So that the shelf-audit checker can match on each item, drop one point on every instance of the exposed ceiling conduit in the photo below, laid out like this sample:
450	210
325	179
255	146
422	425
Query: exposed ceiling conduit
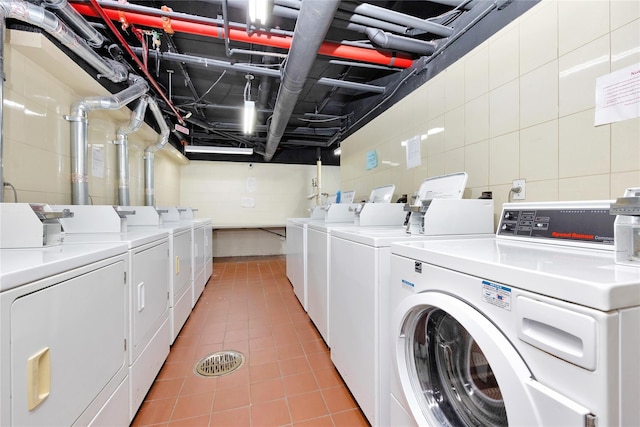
122	142
398	18
149	164
41	18
80	137
311	27
252	69
333	49
101	13
460	4
71	17
392	41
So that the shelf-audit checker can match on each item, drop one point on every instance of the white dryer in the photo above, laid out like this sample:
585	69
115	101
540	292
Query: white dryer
537	326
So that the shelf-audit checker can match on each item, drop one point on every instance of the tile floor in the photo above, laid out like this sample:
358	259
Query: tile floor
287	378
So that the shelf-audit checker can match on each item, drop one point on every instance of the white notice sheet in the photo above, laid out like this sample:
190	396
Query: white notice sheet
618	96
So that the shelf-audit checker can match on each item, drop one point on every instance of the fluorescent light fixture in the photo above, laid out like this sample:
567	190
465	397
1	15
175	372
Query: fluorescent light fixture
337	151
259	11
208	149
249	119
434	131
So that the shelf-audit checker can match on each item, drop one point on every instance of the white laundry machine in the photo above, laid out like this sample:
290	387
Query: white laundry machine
296	244
180	258
147	284
296	253
202	259
537	326
359	293
63	312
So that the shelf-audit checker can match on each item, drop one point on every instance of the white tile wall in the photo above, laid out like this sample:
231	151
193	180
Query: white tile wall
41	84
523	102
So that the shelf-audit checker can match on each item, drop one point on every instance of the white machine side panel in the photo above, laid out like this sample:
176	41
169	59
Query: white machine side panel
149	290
82	323
318	281
208	252
353	307
198	250
296	254
181	264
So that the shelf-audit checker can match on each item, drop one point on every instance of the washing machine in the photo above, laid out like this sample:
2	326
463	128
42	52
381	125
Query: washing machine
296	253
359	293
377	212
537	326
63	312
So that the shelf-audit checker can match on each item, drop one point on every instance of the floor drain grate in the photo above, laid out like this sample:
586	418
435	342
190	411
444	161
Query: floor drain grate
219	364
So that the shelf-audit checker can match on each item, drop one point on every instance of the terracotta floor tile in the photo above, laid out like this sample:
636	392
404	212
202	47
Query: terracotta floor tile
294	366
192	405
231	398
307	406
194	384
266	391
200	421
351	418
338	399
316	422
328	377
270	414
239	417
263	372
163	389
287	378
299	384
154	412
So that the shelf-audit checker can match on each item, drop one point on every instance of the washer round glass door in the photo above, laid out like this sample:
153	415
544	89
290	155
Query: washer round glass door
450	372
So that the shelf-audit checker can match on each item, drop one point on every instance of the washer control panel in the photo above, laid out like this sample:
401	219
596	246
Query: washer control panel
567	222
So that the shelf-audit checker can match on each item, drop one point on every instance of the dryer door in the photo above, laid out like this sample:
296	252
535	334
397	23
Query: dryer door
458	369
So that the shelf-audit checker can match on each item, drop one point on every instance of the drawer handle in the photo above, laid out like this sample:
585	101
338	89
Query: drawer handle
38	378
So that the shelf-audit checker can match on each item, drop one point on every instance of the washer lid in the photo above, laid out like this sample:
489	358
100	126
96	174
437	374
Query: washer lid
443	187
587	277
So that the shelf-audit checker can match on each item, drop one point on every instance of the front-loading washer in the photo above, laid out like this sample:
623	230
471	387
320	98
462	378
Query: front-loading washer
537	326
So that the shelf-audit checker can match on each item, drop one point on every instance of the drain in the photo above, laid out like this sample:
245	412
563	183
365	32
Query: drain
219	364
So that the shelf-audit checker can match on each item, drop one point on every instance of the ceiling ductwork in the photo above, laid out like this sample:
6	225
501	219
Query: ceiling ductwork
311	27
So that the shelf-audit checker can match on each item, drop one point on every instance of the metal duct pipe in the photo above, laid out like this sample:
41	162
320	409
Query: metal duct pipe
38	16
149	166
79	132
311	27
73	18
122	142
398	18
153	18
251	69
392	41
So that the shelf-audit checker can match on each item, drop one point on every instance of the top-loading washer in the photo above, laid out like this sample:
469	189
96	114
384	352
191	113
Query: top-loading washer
377	212
296	244
63	311
537	326
147	283
359	293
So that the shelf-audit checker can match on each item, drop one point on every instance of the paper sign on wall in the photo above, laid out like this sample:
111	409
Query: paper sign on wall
372	159
252	184
248	202
618	96
414	157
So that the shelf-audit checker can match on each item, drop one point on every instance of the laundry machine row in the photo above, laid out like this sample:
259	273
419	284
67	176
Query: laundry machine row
536	326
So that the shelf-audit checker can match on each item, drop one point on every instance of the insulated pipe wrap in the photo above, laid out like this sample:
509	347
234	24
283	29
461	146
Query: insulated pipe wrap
311	27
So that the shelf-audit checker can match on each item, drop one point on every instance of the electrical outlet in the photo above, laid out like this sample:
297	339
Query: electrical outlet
519	183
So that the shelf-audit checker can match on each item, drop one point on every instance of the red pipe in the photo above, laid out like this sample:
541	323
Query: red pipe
264	39
124	43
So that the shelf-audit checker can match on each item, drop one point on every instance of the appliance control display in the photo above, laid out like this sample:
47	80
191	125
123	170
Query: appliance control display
580	225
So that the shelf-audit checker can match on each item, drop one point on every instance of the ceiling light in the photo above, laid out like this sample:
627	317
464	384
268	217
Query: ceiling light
249	119
337	151
259	11
208	149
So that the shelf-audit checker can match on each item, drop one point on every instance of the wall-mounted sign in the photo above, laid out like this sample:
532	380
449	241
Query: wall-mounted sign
414	158
372	159
618	95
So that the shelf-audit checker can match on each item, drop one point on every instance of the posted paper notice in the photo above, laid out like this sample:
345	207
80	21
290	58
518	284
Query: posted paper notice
618	96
